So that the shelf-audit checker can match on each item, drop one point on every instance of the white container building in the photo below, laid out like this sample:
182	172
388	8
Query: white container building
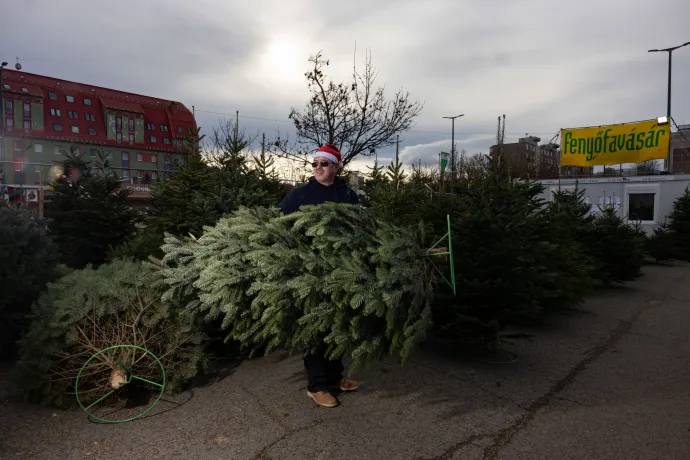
645	199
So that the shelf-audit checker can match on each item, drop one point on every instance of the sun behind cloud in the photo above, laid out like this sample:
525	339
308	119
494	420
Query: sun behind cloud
283	61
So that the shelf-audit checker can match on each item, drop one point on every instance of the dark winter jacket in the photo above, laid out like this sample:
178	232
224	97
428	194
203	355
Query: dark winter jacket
315	193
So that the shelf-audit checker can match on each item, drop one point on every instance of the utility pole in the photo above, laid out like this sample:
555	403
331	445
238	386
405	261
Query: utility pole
237	124
452	151
669	165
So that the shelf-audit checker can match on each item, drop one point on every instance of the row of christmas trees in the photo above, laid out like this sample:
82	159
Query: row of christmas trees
355	277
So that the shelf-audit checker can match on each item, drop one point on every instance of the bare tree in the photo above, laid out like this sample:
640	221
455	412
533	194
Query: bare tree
648	168
354	115
228	147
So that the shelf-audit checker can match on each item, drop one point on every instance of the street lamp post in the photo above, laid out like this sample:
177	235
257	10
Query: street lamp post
452	151
2	124
670	51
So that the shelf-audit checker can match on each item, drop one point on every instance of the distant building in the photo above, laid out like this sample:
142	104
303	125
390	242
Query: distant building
680	146
529	160
43	117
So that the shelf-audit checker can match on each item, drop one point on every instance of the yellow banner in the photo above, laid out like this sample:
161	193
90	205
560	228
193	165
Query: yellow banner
614	144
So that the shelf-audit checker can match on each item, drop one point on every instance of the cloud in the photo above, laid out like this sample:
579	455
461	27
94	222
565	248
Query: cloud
583	63
428	153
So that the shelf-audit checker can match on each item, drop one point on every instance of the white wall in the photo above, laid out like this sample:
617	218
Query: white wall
627	194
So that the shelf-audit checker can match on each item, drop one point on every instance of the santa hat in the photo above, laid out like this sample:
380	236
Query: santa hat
331	152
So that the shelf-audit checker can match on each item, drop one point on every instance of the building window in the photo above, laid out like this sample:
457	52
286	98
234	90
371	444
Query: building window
118	137
9	124
87	101
38	148
166	140
131	139
109	154
93	152
154	158
125	167
189	130
58	150
73	115
151	126
70	99
179	129
8	107
55	112
75	129
27	110
90	117
18	149
130	124
164	129
118	123
641	206
57	127
153	139
92	131
52	96
140	157
27	126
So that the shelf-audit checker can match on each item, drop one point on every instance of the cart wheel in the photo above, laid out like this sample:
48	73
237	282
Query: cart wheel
123	381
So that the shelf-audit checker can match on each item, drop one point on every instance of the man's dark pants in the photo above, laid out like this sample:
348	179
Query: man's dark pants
322	373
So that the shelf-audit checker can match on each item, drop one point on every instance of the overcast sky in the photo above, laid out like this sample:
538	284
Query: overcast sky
584	63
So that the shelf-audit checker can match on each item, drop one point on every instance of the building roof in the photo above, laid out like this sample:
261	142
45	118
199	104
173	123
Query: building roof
67	96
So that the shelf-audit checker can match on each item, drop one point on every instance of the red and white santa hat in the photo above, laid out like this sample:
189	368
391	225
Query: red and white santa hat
331	152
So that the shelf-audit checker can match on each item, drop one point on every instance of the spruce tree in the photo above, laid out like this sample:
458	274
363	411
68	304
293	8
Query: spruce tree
679	225
509	266
28	261
392	198
202	189
328	273
616	246
661	244
88	214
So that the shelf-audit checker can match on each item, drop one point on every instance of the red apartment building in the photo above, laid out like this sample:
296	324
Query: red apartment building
44	117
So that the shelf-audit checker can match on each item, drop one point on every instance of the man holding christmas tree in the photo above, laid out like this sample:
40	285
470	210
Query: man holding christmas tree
324	186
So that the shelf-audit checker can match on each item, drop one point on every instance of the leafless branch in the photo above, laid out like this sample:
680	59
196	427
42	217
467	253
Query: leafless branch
355	116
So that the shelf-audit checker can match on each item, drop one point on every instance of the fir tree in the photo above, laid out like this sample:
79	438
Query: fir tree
328	273
28	261
89	211
616	246
508	266
202	190
91	309
661	244
392	198
679	225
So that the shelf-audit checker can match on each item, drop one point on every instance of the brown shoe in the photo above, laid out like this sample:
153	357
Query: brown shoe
323	398
347	384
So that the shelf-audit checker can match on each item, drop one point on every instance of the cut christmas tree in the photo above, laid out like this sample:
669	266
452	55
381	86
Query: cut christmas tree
330	273
679	226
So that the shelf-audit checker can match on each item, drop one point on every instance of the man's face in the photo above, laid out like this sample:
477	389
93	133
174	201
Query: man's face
325	170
